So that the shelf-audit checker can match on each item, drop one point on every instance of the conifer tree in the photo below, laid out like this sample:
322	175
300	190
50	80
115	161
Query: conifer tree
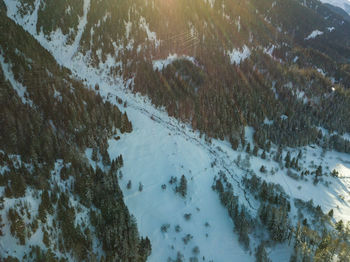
255	151
182	188
287	160
248	148
128	186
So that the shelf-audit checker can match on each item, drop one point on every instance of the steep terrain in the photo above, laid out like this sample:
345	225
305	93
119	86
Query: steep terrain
343	4
54	204
236	144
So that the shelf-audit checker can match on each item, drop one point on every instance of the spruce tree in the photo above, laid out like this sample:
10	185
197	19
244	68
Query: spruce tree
287	160
182	189
128	186
248	148
255	151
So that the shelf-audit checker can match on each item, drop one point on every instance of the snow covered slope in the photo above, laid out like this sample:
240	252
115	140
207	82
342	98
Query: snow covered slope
344	4
160	148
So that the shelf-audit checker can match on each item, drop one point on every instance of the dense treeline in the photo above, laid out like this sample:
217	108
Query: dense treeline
217	97
51	125
221	102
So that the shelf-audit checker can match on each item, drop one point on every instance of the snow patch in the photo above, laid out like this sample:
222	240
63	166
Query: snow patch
210	2
237	56
152	36
161	64
314	34
269	50
128	26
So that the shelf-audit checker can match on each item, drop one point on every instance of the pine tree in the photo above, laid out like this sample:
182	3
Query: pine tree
18	185
287	160
94	155
292	164
339	225
46	238
300	155
234	143
278	155
182	189
330	213
268	146
255	151
335	173
319	171
128	186
248	148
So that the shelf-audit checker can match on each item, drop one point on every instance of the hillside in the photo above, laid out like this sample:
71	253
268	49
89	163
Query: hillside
55	205
224	124
343	4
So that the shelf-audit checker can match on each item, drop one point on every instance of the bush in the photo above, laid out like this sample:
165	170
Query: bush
187	216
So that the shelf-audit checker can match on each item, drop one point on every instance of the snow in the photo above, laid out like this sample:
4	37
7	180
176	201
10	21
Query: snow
284	117
314	34
269	51
346	136
57	45
321	71
238	23
152	162
237	55
160	147
268	121
29	21
211	2
128	26
163	63
152	36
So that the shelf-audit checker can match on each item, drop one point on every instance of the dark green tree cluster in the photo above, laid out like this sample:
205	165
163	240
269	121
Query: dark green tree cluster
239	215
182	188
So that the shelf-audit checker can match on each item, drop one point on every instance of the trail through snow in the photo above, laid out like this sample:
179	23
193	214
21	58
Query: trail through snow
161	147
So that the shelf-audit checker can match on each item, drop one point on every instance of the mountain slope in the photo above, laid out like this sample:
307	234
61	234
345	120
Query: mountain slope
249	85
54	204
344	4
